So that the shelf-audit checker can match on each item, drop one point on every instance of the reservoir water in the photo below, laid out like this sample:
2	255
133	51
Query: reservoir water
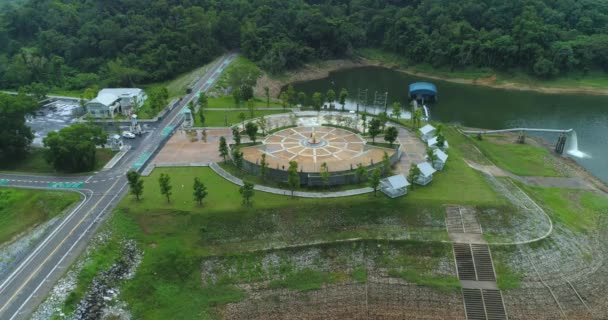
488	108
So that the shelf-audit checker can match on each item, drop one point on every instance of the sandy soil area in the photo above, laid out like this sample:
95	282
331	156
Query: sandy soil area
322	70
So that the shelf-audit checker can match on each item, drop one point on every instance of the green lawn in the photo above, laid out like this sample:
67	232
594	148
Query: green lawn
34	162
228	102
177	86
22	209
239	62
217	118
576	209
520	159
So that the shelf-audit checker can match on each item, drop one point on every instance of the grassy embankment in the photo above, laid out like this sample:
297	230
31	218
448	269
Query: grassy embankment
592	81
22	209
34	162
520	159
177	236
576	210
216	118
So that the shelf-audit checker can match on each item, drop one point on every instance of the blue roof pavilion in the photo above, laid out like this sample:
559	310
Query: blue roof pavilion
424	90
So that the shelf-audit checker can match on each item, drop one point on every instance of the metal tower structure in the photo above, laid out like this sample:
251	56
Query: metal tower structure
380	100
362	99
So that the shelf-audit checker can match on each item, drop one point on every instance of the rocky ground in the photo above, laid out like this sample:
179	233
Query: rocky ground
22	245
102	298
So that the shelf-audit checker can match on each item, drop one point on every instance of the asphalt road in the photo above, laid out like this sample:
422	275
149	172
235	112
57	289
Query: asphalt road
31	277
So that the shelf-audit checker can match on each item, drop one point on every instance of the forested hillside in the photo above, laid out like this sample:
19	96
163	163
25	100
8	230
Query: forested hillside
77	43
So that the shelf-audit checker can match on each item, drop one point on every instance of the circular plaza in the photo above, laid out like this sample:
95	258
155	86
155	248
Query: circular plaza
311	146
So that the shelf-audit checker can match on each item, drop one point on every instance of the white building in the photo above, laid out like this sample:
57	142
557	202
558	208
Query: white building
394	186
113	101
426	173
427	132
442	157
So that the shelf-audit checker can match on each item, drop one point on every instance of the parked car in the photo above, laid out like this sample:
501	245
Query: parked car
128	135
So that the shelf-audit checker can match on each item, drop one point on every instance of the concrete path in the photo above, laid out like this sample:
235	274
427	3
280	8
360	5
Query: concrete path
347	193
244	109
553	182
412	148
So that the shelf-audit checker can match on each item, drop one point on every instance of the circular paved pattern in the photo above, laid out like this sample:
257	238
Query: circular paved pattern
339	148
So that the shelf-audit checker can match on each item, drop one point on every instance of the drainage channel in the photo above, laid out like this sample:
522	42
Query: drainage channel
474	266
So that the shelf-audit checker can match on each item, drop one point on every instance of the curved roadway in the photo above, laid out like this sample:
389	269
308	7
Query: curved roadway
29	280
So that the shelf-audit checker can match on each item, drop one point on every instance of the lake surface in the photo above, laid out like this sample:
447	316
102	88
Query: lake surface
482	107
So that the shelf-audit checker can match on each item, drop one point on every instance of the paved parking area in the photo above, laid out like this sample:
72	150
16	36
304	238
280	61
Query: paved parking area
52	117
193	146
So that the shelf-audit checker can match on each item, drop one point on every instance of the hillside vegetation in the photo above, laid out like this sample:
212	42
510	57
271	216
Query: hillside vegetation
76	44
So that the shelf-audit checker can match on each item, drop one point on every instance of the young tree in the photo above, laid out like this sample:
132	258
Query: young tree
201	117
364	122
396	110
191	107
236	95
330	97
199	191
292	95
251	108
440	140
284	99
390	135
267	93
360	172
383	118
374	128
203	101
386	164
164	181
246	192
325	174
246	93
262	124
236	135
293	178
242	118
136	184
302	98
252	130
374	180
223	148
263	166
317	101
343	97
237	158
416	118
413	174
431	156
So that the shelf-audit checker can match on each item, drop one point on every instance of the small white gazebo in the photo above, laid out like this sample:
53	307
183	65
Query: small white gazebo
426	173
442	157
432	143
427	132
394	186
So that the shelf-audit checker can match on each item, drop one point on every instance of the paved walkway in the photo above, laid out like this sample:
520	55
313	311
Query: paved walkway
244	109
413	150
347	193
554	182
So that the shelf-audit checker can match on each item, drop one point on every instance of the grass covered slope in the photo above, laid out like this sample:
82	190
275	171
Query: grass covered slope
23	209
520	159
34	162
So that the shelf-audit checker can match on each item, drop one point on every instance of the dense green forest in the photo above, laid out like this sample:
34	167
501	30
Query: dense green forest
74	44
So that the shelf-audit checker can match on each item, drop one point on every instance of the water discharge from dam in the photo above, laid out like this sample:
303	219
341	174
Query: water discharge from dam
572	146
